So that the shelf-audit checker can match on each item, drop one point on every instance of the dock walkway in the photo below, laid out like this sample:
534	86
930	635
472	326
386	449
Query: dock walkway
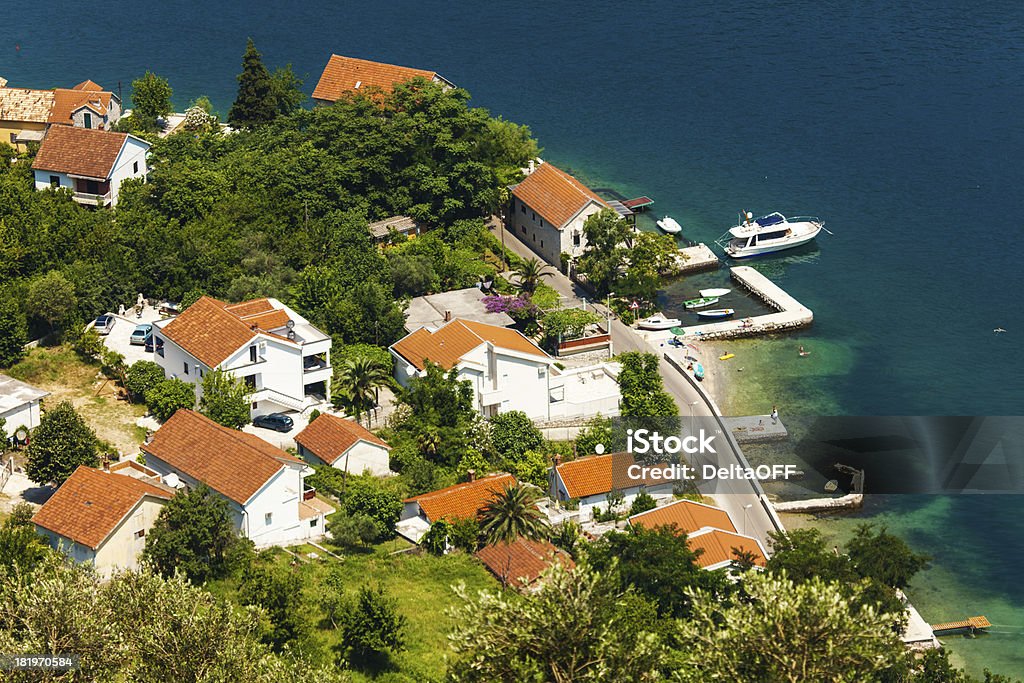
695	259
971	624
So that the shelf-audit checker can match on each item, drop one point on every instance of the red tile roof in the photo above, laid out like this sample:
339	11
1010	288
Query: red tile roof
462	500
446	345
23	105
348	74
716	546
231	462
329	436
88	85
554	194
212	330
686	515
599	474
67	101
520	563
88	506
79	151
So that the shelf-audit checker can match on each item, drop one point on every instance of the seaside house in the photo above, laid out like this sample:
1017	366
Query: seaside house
718	549
19	404
102	517
461	501
26	113
547	211
90	163
264	486
343	444
86	105
589	481
283	359
348	75
380	231
508	372
519	564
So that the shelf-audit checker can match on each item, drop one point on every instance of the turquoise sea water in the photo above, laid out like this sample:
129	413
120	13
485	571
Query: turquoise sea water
898	123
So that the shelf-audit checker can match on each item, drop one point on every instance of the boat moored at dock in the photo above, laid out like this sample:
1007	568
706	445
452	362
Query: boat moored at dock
669	225
722	291
658	322
717	313
700	303
768	234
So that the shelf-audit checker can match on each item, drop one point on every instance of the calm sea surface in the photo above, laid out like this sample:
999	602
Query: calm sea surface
898	123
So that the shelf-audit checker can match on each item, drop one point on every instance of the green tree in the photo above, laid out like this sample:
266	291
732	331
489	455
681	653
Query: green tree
785	632
280	594
412	275
604	257
531	467
352	531
142	376
513	513
530	273
566	323
225	399
571	629
51	299
880	555
168	396
194	534
378	499
256	102
13	332
643	394
60	443
286	89
642	503
441	415
598	430
372	628
513	433
21	548
377	354
357	383
151	97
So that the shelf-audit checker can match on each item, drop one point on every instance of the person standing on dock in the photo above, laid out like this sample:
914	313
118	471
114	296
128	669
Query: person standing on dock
775	415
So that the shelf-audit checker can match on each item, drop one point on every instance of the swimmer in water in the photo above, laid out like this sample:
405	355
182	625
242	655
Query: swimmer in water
804	353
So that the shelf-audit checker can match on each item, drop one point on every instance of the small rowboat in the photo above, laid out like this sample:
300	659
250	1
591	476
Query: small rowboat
678	331
714	292
716	313
727	356
701	302
669	225
698	371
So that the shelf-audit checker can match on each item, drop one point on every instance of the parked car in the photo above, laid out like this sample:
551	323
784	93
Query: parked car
158	346
279	422
104	324
140	334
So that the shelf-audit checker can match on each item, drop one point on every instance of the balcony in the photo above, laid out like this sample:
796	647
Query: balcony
308	493
89	199
314	363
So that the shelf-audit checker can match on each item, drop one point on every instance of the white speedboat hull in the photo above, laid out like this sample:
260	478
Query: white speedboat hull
714	293
669	225
717	313
658	323
740	242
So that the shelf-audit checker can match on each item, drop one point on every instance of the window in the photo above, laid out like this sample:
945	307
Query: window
252	354
523	228
88	120
255	405
140	533
268	518
533	215
523	207
576	239
185	366
542	244
135	167
14	138
250	381
312	522
54	181
159	346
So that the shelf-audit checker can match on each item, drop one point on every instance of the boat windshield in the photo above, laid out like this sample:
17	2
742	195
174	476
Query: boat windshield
770	219
774	235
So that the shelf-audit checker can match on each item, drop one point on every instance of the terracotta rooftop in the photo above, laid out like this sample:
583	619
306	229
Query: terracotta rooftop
212	330
554	194
520	563
599	474
68	100
25	105
449	343
229	461
348	74
88	85
329	436
80	151
462	500
717	546
686	515
91	503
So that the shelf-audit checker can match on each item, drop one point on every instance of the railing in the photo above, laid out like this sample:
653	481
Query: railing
308	493
319	365
87	198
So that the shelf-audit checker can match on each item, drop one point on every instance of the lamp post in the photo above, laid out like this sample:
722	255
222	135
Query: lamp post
745	508
692	404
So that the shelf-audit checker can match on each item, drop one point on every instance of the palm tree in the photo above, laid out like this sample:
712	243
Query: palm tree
511	514
356	383
530	273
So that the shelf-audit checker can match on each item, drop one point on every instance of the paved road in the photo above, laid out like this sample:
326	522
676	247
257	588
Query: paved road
740	498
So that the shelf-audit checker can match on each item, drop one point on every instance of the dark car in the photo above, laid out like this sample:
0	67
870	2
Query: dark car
279	422
154	343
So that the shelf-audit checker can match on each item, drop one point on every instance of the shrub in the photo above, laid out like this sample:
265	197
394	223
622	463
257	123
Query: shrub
642	503
166	397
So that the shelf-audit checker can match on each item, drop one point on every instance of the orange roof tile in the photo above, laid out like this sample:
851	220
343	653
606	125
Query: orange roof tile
88	85
520	563
91	503
251	307
686	515
716	546
449	343
348	74
554	194
599	474
462	500
67	101
231	462
79	151
329	436
23	105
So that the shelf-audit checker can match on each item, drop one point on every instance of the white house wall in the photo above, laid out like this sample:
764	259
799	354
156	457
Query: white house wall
131	163
548	240
26	415
43	180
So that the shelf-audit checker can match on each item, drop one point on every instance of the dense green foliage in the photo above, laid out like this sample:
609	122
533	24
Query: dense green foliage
225	399
151	99
195	535
644	398
142	376
371	628
60	443
21	548
256	103
280	594
168	396
13	332
512	514
513	433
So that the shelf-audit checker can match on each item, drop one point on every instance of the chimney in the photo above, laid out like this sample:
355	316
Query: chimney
447	316
149	437
532	166
471	474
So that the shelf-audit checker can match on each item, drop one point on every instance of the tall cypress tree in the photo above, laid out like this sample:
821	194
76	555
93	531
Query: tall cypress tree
256	103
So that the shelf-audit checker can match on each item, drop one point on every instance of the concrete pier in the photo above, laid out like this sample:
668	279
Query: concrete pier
695	259
790	314
755	428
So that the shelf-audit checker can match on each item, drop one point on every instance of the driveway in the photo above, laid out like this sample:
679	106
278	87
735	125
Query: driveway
118	339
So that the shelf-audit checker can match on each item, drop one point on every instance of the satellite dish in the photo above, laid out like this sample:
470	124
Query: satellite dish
173	481
290	324
21	434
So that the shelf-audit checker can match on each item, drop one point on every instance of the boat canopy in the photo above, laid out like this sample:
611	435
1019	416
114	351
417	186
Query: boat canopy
770	219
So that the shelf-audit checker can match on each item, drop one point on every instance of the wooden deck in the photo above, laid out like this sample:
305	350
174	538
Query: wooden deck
969	624
638	204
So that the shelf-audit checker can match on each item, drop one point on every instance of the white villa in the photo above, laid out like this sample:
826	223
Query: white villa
263	484
589	481
19	404
547	211
345	445
508	371
92	163
285	361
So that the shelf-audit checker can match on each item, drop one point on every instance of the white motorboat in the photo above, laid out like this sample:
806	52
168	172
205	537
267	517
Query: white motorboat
669	225
714	292
768	234
658	322
716	313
